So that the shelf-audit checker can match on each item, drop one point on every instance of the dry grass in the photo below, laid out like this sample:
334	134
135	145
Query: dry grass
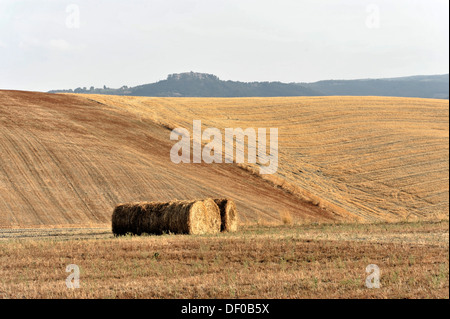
309	261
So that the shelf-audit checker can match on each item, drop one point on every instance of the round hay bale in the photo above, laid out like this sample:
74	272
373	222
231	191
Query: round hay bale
228	214
194	217
125	219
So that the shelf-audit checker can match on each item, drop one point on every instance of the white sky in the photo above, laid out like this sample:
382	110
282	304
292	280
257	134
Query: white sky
44	46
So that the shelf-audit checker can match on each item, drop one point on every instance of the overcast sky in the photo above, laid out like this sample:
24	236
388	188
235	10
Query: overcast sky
66	44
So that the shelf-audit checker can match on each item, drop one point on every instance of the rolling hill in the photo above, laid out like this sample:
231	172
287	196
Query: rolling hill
68	159
378	158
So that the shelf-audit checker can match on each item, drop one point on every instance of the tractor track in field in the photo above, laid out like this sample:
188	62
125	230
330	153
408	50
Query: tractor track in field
55	233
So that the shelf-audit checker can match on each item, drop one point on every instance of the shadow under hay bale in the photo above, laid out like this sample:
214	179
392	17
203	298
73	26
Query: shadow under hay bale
194	217
228	214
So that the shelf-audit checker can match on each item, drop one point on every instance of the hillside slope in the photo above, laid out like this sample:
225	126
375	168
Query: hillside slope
380	158
68	160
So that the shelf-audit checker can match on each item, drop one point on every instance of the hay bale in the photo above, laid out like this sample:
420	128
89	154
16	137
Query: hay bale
228	214
194	217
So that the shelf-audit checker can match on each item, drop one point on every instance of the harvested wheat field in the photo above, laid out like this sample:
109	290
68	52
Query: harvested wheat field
364	158
308	261
360	181
69	160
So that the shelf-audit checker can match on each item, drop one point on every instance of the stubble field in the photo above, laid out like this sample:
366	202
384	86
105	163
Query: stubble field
365	158
291	261
361	181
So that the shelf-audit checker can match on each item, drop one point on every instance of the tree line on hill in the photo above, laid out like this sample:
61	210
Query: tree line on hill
191	84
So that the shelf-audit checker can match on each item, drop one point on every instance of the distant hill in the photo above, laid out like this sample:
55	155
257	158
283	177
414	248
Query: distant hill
192	84
431	86
208	85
